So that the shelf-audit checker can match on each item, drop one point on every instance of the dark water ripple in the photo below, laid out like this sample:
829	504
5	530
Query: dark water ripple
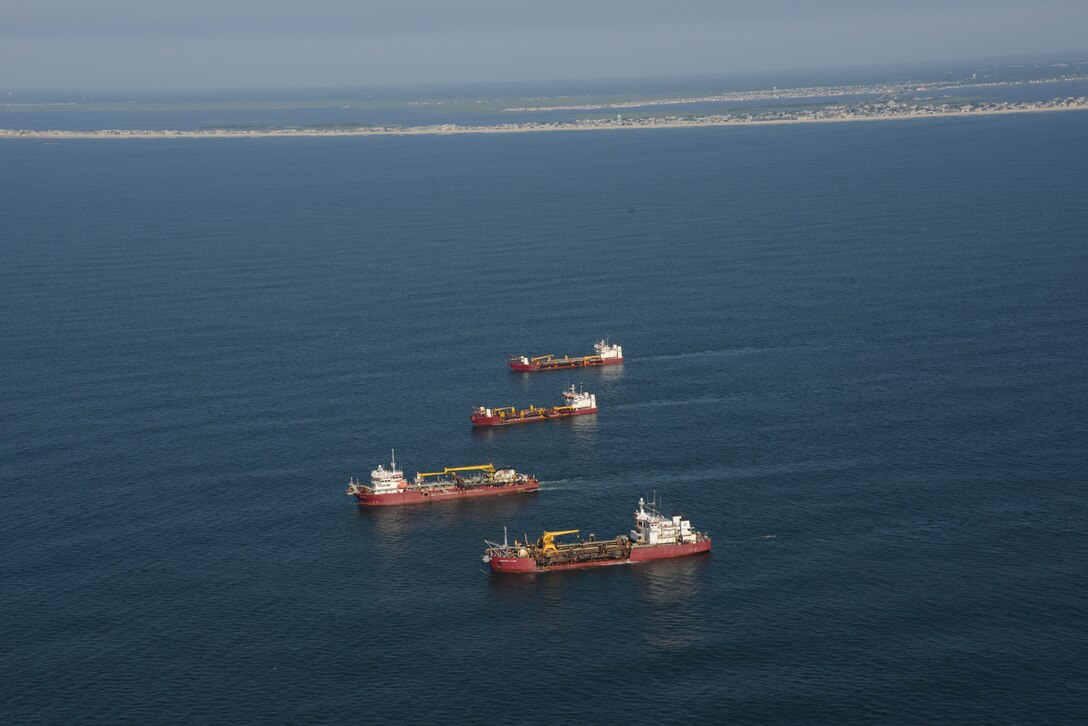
856	357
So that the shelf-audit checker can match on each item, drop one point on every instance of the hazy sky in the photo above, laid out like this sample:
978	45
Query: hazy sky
126	44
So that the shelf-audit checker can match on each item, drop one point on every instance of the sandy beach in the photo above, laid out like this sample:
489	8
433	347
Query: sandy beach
596	125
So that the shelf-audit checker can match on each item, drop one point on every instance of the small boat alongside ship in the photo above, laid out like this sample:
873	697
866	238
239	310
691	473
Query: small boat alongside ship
606	355
654	537
388	487
578	403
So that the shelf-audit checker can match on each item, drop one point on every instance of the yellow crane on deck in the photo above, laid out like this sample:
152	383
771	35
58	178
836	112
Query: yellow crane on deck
489	468
546	544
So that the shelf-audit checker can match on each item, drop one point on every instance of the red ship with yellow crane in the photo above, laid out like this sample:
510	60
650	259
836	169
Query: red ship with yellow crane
605	354
388	487
578	403
655	537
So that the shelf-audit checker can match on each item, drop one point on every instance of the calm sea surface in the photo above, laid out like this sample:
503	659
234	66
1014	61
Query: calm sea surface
856	356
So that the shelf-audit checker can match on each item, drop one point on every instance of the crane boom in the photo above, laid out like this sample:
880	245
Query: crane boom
546	543
489	468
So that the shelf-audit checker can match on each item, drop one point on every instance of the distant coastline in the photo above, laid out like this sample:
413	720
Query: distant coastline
882	111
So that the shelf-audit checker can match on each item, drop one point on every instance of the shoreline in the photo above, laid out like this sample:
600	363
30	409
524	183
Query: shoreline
529	127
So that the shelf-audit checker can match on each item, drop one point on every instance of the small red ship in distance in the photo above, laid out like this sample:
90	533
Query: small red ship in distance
655	537
606	355
388	487
578	403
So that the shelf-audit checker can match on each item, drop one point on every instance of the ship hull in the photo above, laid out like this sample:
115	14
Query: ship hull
639	553
644	553
520	367
496	421
419	496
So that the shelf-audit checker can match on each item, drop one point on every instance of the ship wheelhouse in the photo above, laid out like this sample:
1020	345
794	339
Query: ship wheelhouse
653	528
385	481
607	351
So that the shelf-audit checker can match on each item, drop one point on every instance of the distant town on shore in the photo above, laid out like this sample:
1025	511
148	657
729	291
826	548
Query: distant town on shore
966	96
870	111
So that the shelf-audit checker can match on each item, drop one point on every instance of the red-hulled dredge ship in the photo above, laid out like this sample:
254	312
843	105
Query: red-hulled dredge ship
654	537
388	487
606	355
578	404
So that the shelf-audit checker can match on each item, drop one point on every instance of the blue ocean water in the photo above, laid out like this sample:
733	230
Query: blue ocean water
855	356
